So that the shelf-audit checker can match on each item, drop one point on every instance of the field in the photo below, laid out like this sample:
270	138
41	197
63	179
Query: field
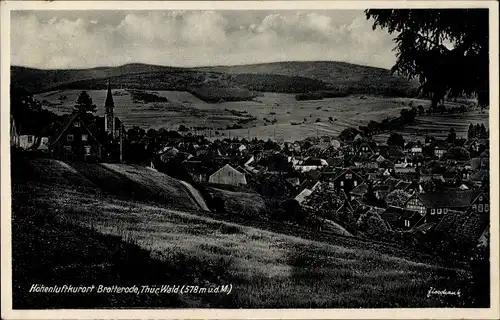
278	115
439	125
266	269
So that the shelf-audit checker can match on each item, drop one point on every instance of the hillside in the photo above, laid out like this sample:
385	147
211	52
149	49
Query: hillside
290	77
39	80
265	269
138	184
334	72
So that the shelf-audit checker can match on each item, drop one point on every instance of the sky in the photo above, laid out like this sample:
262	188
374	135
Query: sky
83	39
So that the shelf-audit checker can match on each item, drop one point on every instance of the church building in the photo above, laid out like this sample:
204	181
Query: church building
85	137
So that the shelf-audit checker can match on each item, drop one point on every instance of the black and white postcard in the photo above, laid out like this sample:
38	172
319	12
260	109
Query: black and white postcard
249	160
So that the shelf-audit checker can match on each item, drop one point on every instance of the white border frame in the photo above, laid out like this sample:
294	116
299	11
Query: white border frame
437	313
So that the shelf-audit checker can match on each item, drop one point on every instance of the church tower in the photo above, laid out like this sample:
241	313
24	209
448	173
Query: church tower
109	117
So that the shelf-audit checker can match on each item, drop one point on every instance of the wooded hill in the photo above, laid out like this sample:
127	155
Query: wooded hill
286	77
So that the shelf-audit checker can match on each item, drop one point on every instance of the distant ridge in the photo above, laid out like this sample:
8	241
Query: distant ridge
324	75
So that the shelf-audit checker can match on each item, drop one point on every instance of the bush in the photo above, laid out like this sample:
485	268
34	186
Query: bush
309	96
213	94
145	97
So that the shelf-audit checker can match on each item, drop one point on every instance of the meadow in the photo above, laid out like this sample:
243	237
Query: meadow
266	269
439	126
270	115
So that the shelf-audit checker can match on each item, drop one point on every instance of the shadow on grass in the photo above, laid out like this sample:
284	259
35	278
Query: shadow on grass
48	252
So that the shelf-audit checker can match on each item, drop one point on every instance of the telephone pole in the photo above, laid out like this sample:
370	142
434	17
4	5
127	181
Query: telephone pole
121	142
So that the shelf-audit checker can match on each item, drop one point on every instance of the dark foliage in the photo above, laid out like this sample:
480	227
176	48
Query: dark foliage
422	54
214	94
395	139
84	103
146	97
28	114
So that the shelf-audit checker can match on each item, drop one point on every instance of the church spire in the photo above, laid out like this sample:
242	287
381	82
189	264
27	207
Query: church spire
109	117
109	97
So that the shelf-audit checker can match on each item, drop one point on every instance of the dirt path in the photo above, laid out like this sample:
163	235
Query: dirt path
193	192
196	195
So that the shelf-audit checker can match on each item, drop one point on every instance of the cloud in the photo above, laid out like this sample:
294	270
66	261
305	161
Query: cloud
189	38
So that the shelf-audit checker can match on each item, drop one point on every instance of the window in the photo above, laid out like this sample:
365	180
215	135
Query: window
445	211
77	124
474	207
87	149
481	198
439	211
348	176
30	139
433	211
407	223
480	208
85	137
69	137
341	183
486	208
355	183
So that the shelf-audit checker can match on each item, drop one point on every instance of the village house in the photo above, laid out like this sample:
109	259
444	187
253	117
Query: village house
168	153
196	170
84	137
427	177
434	205
41	144
345	181
414	148
364	149
429	140
480	178
75	141
26	141
309	164
383	188
367	164
306	192
401	218
479	163
228	175
464	226
440	148
293	181
380	158
401	170
359	191
403	162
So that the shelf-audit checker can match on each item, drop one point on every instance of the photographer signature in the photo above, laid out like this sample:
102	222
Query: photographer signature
444	292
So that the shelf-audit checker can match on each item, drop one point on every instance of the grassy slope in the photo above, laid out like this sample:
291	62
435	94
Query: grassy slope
245	203
137	184
265	268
